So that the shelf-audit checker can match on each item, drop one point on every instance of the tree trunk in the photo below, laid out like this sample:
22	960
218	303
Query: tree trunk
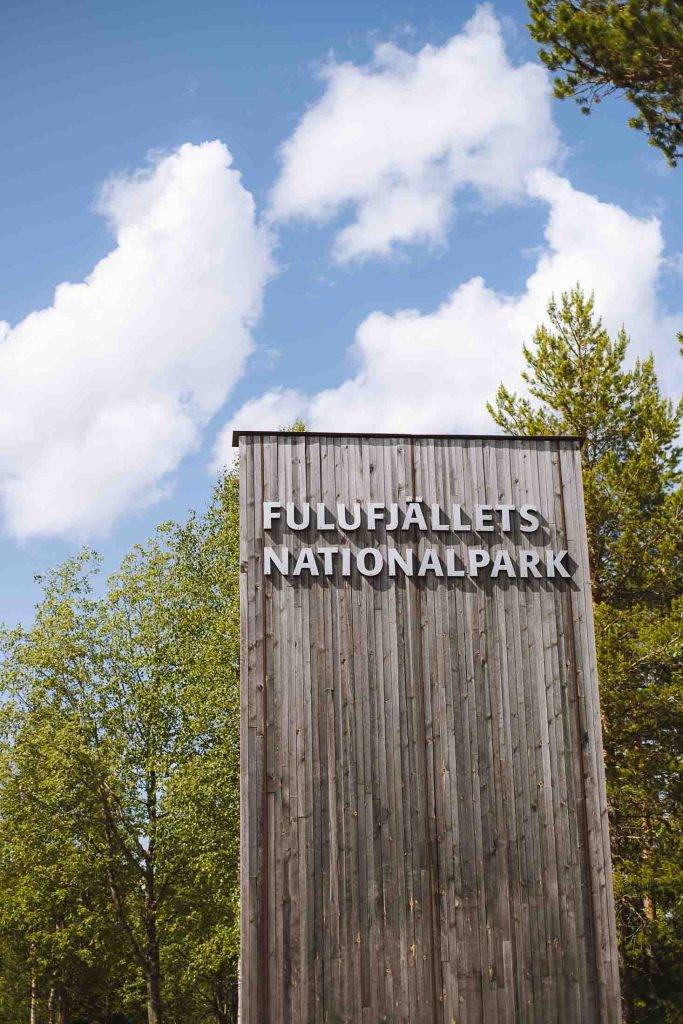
32	1008
649	909
152	965
154	998
63	1015
57	1005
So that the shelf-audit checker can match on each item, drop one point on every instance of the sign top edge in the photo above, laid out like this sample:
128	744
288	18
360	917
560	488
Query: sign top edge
237	434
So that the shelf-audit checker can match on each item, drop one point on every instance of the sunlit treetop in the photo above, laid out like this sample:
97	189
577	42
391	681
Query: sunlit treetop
630	47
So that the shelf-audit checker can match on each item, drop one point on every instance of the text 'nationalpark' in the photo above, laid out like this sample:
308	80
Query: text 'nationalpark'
324	559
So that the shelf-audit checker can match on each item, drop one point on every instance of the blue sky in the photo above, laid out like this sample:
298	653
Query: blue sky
425	168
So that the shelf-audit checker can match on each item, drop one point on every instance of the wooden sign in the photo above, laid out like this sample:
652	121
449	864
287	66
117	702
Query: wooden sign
424	821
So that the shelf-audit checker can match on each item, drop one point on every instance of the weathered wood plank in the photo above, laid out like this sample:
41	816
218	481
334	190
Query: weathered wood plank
424	825
473	939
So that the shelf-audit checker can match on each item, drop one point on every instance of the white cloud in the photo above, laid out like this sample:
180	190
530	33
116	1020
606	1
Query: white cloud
397	139
275	410
102	393
617	255
434	372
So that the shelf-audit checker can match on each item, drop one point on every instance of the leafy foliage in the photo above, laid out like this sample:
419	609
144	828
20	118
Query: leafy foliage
578	384
119	785
630	46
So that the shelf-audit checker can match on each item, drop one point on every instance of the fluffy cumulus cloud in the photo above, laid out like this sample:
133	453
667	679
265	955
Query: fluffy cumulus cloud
102	393
434	371
397	139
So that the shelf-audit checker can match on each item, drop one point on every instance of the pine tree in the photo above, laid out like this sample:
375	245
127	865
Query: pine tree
578	383
632	47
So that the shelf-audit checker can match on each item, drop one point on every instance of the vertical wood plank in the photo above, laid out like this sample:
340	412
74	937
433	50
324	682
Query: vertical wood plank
424	821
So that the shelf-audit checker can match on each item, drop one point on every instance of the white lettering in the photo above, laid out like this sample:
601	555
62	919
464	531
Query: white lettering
320	519
483	518
450	564
342	517
554	564
305	516
503	562
457	523
527	513
441	560
430	563
327	553
414	517
375	513
505	511
271	559
271	511
306	560
362	559
437	523
478	558
394	558
528	560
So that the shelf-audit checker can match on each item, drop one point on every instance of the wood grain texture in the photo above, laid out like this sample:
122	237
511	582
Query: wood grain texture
424	818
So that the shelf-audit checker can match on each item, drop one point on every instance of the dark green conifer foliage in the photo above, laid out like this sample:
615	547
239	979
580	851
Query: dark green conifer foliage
579	383
632	47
